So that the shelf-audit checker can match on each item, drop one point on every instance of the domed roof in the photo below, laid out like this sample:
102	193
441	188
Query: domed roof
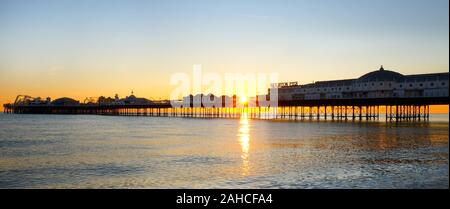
65	101
381	75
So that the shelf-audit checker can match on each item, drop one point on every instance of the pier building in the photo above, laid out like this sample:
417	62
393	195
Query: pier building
376	84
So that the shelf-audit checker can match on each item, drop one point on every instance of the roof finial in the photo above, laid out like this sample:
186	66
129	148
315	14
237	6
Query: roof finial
381	68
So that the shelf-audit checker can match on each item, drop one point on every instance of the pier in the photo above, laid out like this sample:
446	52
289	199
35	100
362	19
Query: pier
393	109
396	96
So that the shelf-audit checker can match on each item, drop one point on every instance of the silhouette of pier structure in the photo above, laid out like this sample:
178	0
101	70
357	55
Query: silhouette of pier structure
393	109
386	93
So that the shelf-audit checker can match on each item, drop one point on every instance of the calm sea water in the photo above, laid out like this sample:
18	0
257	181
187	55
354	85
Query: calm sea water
63	151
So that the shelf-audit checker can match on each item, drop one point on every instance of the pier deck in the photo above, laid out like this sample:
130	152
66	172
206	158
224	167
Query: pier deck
394	109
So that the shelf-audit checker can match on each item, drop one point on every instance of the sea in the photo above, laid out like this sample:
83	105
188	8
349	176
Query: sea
92	151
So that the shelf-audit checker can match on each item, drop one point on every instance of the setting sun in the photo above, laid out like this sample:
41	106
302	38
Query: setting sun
243	99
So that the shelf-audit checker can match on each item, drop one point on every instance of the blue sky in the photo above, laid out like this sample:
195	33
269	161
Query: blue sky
139	44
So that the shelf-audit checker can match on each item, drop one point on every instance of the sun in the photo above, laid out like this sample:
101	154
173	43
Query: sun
243	99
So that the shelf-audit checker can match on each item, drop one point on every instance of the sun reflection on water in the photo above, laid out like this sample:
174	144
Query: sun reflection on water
244	140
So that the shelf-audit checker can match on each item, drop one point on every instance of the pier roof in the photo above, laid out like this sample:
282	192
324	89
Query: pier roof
381	75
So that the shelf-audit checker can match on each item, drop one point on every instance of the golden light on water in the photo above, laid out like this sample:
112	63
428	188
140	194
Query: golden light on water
244	141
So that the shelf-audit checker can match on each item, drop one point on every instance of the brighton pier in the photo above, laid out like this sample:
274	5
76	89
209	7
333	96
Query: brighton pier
399	97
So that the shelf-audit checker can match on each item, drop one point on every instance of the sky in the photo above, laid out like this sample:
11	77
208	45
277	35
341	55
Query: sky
86	48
